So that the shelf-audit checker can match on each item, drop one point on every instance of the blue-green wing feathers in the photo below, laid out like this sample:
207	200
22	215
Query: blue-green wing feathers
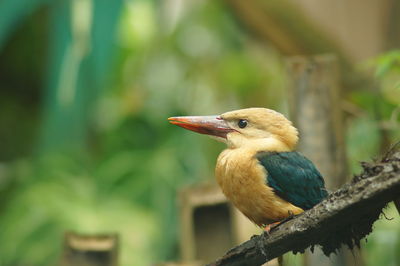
294	178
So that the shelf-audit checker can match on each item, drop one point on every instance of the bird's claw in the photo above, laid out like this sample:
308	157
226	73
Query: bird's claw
269	227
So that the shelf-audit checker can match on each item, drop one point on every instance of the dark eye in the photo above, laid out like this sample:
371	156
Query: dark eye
242	123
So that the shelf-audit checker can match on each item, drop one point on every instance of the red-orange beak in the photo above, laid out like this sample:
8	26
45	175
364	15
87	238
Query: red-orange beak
209	125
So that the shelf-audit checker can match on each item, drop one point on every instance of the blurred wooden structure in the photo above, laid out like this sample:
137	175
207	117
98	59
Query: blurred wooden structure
90	250
361	28
205	218
353	30
314	97
210	225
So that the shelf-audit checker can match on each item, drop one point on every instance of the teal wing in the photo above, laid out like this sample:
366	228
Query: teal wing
294	178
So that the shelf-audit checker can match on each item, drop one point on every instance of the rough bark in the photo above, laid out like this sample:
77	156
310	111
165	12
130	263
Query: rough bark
343	218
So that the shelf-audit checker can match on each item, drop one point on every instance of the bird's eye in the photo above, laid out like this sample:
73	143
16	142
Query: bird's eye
242	123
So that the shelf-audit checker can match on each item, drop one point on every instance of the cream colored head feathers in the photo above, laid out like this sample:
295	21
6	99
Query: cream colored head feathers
260	128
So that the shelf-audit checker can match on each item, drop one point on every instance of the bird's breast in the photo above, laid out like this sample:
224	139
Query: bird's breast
243	181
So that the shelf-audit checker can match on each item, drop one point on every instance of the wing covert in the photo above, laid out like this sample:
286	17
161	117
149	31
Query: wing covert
294	178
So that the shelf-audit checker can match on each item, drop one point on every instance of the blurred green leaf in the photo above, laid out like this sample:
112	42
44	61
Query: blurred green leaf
80	61
389	61
104	30
362	146
13	12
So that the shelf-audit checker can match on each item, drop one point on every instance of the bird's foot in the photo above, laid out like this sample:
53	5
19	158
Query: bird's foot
269	227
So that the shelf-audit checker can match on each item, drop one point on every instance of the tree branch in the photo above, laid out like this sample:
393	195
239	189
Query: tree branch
344	217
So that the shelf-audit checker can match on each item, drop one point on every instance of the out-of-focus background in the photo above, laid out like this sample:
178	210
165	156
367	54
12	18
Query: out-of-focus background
86	87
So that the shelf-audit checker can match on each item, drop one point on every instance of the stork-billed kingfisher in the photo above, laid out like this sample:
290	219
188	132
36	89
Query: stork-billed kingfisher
260	171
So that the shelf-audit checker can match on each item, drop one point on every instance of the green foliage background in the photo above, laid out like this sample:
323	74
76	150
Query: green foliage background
85	90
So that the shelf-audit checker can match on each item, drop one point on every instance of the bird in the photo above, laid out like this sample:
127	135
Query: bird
260	171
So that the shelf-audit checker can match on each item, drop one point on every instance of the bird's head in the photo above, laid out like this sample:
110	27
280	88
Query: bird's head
258	127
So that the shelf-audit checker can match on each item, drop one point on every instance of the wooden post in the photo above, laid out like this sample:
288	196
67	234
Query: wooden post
316	111
90	250
200	206
209	224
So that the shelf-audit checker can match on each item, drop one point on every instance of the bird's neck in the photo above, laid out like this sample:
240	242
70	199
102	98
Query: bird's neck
245	154
258	145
